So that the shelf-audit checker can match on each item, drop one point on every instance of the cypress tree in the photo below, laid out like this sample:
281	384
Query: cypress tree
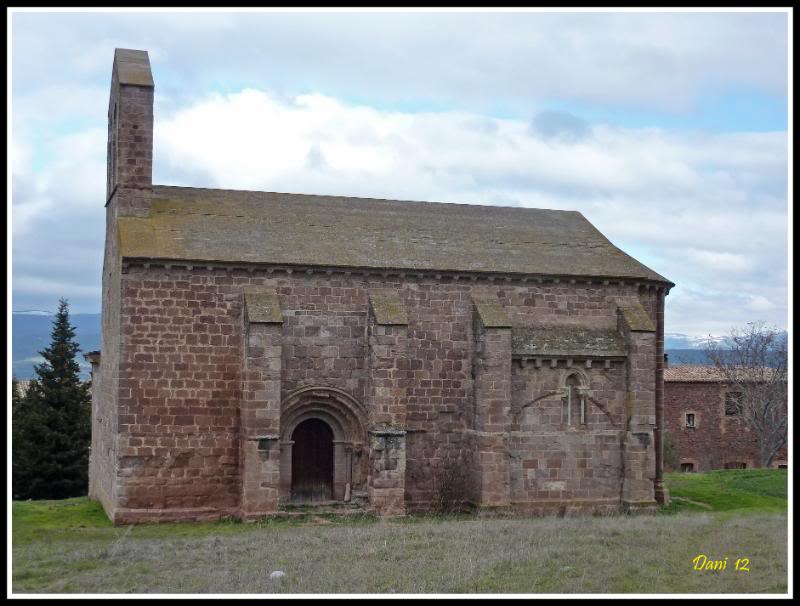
52	433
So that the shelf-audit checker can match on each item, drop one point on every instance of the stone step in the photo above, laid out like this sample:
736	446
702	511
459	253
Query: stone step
322	507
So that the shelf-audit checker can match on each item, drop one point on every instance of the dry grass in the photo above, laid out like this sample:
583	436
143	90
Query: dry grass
551	555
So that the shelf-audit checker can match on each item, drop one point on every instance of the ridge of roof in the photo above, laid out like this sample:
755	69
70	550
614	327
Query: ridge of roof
212	190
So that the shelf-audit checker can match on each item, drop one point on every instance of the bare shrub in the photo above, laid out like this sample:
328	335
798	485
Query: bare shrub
450	487
671	454
753	361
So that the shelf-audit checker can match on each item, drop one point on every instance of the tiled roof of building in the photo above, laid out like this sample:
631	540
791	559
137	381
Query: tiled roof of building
566	341
192	224
686	373
708	374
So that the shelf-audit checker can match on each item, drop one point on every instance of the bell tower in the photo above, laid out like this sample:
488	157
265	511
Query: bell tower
130	131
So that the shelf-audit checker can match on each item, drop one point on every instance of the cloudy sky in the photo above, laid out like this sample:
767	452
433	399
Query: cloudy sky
668	131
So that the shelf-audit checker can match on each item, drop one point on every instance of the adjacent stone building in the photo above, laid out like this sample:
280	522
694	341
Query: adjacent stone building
266	348
703	418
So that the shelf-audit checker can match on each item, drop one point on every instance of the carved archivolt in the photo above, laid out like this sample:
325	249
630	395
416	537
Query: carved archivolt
342	412
583	380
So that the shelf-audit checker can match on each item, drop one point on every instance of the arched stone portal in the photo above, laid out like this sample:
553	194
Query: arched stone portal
322	436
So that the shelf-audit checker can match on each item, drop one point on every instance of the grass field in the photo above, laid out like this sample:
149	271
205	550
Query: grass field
733	490
69	546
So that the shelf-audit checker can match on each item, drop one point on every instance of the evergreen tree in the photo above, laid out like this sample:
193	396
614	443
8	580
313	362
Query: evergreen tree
52	432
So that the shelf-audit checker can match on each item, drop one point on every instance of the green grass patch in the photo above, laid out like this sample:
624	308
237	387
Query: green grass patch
79	519
70	546
741	490
38	520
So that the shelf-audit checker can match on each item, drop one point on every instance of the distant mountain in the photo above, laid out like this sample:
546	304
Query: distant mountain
30	333
679	357
675	340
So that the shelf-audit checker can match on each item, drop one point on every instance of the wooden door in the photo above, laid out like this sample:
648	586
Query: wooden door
312	461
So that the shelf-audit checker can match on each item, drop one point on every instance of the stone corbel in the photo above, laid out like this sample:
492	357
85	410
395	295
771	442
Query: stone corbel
264	441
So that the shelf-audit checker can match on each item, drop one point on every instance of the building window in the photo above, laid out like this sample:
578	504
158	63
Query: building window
574	403
687	467
690	420
736	465
733	404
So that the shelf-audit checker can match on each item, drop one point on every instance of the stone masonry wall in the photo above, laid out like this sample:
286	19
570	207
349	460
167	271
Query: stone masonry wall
716	439
260	455
388	369
181	365
490	482
639	441
128	189
566	466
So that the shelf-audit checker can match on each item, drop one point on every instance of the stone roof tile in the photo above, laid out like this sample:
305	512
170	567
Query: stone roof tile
566	341
133	67
262	227
687	373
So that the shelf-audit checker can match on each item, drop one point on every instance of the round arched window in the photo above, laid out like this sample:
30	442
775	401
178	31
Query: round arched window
574	410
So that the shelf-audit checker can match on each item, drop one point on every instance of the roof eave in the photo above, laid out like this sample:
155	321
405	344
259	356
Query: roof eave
394	269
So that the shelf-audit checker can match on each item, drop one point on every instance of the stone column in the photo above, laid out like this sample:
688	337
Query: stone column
661	492
638	443
388	375
492	392
260	450
339	470
93	357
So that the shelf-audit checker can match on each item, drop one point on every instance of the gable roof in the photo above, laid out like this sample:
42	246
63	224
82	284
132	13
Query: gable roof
194	224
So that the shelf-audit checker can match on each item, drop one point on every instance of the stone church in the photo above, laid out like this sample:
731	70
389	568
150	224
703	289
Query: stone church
262	349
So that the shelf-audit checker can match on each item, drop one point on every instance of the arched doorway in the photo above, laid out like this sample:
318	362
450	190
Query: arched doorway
342	417
312	461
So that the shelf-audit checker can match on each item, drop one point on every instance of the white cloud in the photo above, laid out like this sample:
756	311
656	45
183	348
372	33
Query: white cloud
661	61
721	261
760	303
